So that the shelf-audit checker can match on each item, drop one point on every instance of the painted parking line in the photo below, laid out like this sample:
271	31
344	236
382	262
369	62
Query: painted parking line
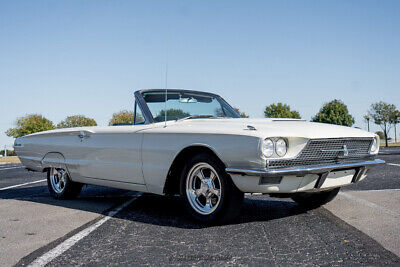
10	164
370	204
67	244
382	190
2	169
19	185
393	164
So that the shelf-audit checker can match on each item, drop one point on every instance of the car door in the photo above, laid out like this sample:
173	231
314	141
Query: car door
114	156
113	153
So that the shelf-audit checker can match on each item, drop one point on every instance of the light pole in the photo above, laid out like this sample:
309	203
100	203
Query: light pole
367	118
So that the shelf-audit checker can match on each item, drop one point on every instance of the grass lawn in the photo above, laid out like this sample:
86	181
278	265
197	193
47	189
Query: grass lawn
390	144
394	144
9	159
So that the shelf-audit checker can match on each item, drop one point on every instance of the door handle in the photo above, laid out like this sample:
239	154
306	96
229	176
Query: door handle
83	136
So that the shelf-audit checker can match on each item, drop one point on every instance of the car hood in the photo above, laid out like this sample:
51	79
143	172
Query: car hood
268	128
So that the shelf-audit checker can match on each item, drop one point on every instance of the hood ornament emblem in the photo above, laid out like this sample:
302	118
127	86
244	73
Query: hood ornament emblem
345	151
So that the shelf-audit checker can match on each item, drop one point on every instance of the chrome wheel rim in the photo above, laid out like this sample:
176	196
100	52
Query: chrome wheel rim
58	179
203	188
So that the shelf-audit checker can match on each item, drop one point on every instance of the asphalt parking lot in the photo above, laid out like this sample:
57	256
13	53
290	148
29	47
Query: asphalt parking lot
115	227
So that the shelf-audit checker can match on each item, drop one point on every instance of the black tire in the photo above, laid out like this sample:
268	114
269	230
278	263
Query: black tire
315	199
70	189
230	200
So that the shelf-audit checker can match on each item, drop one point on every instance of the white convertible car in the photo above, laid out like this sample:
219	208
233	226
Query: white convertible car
195	145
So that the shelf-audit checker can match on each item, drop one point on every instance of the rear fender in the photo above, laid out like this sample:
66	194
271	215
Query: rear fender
54	160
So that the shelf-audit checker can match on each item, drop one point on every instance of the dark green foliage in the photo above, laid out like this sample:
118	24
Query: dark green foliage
334	112
30	124
76	121
9	153
280	110
242	114
172	114
384	115
122	117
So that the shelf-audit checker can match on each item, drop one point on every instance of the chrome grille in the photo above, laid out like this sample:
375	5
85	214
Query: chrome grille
327	151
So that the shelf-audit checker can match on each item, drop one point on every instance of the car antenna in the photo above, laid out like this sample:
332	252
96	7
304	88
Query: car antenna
166	93
166	90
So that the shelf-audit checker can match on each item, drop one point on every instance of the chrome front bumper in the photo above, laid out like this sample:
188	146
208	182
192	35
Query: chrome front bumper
322	171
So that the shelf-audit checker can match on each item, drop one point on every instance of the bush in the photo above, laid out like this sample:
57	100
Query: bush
122	117
76	121
30	124
9	153
280	110
334	112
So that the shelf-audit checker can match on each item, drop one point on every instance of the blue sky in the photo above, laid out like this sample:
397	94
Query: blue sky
60	58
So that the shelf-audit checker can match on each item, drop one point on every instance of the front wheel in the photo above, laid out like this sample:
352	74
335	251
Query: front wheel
60	185
315	199
208	191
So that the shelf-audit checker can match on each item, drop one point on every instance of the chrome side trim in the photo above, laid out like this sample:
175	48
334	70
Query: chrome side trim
304	171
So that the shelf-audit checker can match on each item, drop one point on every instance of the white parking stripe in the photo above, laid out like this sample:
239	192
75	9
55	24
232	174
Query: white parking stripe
369	204
67	244
381	190
2	169
19	185
393	164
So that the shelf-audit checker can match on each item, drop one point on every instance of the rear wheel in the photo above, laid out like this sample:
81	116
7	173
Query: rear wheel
315	199
208	191
60	185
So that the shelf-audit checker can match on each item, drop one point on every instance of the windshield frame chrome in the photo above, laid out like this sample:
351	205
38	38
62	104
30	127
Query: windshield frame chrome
147	113
143	106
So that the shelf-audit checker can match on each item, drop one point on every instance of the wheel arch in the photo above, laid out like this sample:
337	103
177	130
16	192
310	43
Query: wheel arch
53	160
171	185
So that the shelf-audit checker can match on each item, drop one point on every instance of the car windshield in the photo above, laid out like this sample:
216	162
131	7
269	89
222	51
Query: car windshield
190	105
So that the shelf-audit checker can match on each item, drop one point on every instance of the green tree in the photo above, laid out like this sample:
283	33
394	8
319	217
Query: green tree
280	110
395	119
334	112
383	113
122	117
28	124
242	114
172	114
76	121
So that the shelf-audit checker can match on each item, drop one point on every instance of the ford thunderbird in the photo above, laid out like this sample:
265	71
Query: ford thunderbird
194	144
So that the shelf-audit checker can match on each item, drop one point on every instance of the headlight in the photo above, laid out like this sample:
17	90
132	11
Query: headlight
268	148
281	147
375	145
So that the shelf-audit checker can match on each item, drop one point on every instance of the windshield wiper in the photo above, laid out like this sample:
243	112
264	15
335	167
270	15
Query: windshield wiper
198	117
